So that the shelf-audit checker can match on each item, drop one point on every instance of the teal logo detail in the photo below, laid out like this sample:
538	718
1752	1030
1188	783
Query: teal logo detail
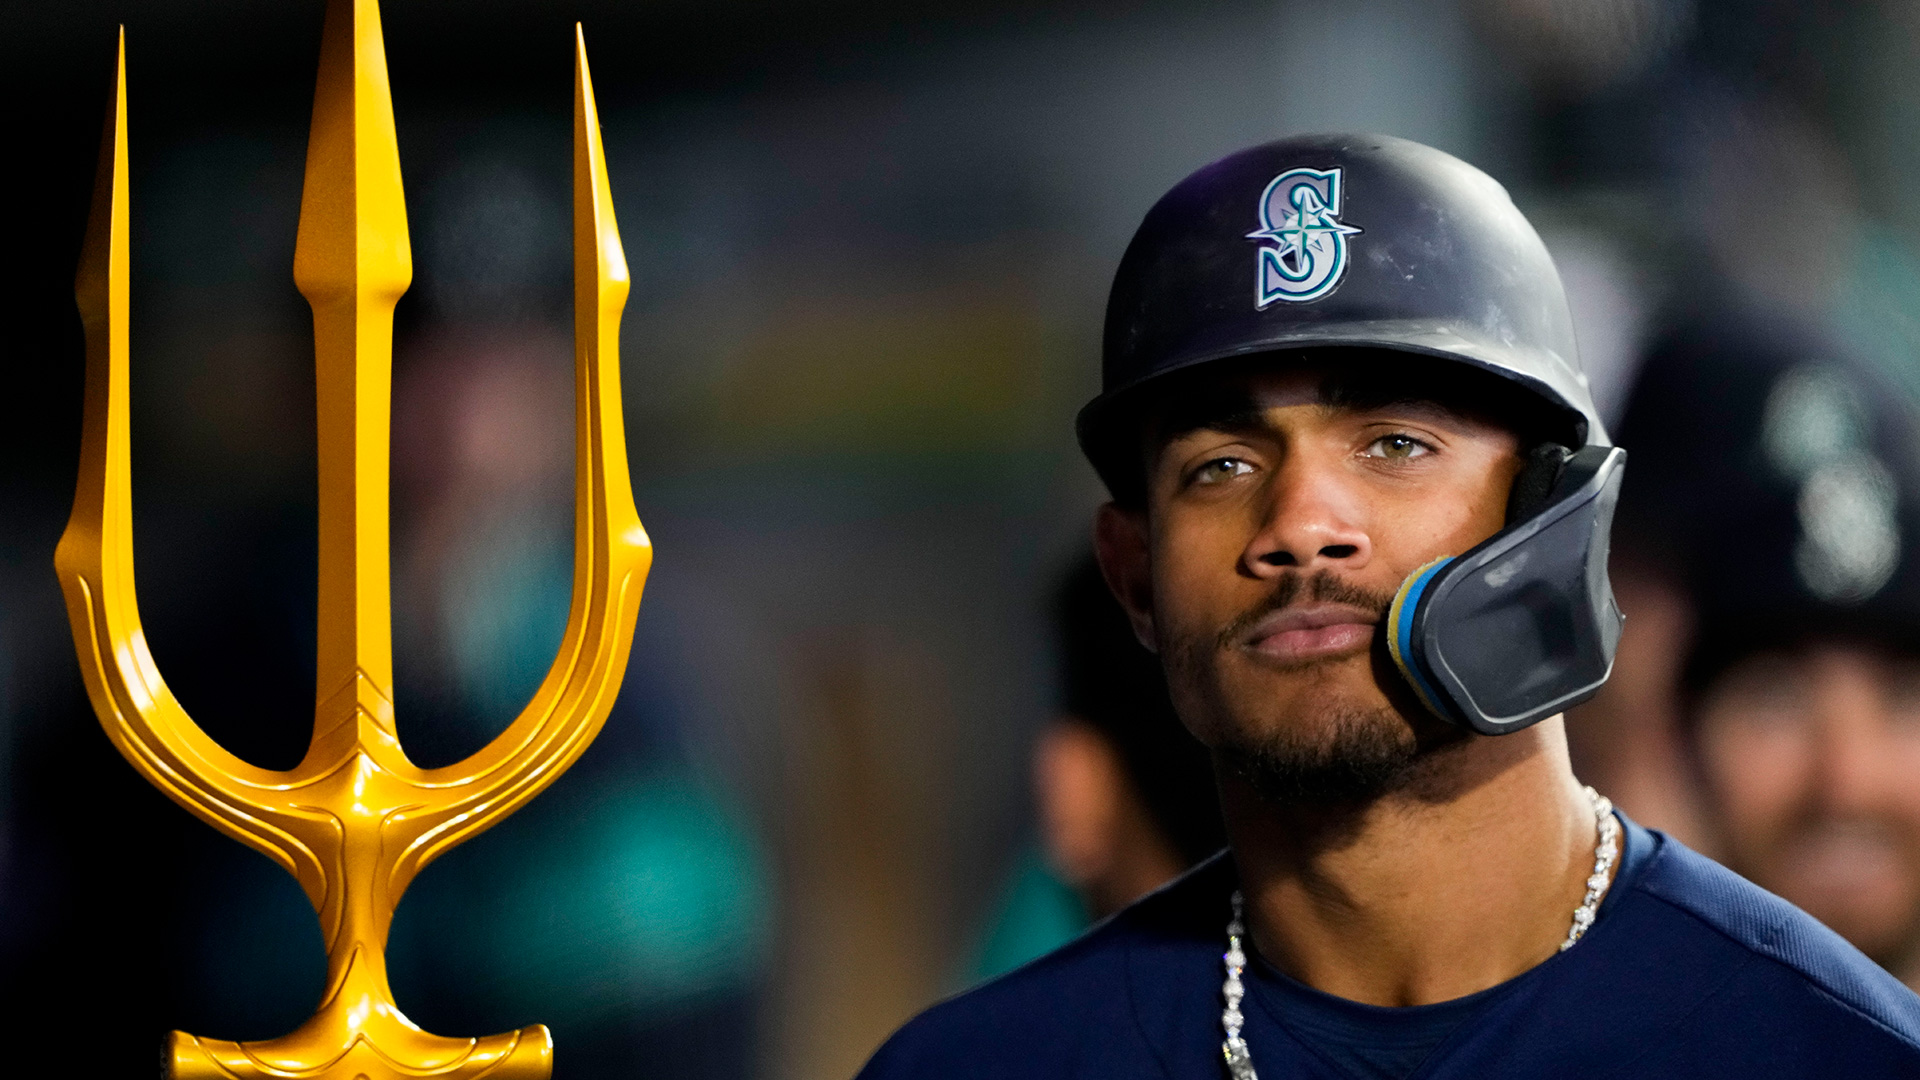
1305	253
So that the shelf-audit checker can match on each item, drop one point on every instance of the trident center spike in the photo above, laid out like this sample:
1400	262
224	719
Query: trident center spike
355	820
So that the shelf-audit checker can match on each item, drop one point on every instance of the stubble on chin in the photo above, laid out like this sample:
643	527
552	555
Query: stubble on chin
1346	755
1339	752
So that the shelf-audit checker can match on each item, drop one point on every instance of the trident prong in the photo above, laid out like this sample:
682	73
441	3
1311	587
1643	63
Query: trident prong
355	820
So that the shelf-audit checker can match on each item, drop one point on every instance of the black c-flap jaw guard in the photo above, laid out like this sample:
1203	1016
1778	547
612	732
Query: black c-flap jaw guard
1524	625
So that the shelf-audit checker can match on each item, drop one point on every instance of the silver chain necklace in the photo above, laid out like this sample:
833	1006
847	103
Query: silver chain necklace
1240	1059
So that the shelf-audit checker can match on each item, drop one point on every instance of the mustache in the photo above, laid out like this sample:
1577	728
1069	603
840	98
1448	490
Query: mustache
1321	587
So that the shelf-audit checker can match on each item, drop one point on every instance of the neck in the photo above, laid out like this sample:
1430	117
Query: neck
1458	882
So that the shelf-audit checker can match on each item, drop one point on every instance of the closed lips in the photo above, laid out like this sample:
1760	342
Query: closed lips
1313	630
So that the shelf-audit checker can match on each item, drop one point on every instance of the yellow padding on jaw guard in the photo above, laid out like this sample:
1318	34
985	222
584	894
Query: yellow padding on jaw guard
1400	633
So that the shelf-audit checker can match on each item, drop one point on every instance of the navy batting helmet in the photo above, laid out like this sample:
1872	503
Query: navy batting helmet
1372	242
1750	423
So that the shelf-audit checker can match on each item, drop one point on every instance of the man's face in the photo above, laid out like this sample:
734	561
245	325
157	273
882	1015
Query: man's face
1812	758
1271	545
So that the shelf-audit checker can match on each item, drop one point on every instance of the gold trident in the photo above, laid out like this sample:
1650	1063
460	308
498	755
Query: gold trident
356	820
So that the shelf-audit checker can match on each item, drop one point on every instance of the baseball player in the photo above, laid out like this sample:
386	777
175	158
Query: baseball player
1360	509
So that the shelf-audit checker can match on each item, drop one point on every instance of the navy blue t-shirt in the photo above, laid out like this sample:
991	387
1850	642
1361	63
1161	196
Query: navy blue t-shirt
1689	971
1360	1041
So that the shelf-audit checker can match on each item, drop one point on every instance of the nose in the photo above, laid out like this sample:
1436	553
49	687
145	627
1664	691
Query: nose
1313	518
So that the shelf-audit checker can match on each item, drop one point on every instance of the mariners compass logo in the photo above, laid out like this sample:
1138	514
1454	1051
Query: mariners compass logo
1300	219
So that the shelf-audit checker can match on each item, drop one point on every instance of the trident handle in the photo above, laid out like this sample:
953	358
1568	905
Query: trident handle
355	820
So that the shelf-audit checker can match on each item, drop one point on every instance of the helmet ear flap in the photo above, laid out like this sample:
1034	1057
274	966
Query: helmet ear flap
1524	624
1534	484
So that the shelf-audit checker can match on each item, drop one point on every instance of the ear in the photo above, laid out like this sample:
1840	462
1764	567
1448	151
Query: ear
1120	543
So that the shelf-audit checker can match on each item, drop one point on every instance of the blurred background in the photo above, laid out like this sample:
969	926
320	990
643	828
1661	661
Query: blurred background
870	246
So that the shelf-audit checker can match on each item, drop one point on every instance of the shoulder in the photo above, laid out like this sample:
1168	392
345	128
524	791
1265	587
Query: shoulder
1791	948
1069	1013
1014	1025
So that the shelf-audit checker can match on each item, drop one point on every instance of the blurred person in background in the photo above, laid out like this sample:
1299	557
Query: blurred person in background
1775	505
630	903
1125	795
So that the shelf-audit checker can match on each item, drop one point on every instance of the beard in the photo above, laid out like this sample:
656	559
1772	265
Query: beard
1353	756
1342	752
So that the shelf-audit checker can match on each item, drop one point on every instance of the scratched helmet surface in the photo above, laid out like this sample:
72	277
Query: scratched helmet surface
1367	242
1339	240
